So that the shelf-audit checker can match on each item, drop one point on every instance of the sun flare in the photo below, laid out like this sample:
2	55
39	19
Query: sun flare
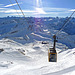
37	1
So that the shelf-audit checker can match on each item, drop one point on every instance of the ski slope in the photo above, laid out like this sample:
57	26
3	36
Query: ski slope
24	53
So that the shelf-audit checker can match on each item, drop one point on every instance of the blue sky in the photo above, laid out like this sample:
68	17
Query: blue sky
37	8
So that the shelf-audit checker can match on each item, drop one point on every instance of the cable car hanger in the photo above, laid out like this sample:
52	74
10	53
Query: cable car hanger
52	54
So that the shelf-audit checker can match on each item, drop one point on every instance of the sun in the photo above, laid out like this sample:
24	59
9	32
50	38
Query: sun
37	1
39	8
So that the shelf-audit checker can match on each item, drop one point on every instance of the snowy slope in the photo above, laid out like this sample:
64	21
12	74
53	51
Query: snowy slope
27	30
35	60
24	53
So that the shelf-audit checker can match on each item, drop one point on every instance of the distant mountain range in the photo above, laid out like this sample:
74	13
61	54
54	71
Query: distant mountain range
30	28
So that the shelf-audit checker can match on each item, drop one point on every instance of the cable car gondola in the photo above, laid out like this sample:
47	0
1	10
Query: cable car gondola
52	54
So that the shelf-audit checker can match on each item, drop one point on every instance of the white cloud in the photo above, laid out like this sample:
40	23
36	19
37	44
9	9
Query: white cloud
11	5
55	9
2	8
27	12
72	10
40	11
58	11
36	11
65	12
6	10
13	11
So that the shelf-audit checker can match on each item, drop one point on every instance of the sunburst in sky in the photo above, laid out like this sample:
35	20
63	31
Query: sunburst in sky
39	8
46	8
39	3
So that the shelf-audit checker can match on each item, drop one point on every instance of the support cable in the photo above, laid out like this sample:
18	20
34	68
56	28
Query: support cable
65	23
21	10
14	8
19	7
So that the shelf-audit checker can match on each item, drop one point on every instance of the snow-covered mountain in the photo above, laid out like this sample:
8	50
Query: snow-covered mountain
28	29
22	51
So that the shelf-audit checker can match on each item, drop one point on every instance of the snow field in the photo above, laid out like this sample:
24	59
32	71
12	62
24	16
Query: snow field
35	61
24	53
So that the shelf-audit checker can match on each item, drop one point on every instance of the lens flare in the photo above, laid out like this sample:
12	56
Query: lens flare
39	3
